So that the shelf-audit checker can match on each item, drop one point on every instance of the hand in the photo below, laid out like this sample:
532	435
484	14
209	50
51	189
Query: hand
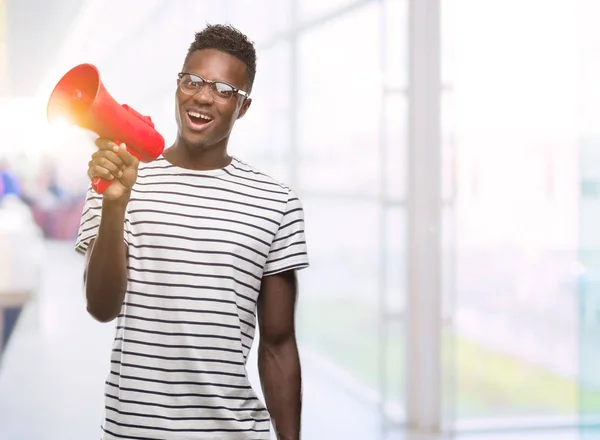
115	163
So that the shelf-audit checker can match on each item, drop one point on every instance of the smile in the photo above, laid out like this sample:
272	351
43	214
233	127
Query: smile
197	121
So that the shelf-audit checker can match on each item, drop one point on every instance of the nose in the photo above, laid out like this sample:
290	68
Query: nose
204	95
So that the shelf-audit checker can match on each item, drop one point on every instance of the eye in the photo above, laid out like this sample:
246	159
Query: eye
224	90
193	82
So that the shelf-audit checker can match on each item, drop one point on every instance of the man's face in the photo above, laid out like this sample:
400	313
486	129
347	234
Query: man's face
218	118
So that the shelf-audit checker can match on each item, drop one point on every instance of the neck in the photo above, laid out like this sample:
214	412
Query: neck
201	159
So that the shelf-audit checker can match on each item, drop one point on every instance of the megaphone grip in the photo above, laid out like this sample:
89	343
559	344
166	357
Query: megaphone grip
100	185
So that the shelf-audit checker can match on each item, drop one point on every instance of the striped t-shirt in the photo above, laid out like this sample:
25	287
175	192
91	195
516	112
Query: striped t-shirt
199	244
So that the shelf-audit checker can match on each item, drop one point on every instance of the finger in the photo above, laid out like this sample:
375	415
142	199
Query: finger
107	163
98	171
109	155
105	144
129	159
113	168
92	174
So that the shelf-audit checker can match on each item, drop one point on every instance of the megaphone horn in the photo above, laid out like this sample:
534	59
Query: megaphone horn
80	98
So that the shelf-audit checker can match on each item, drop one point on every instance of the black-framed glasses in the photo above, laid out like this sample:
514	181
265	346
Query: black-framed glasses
222	92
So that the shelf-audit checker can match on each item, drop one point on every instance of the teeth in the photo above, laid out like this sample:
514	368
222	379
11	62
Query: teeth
198	115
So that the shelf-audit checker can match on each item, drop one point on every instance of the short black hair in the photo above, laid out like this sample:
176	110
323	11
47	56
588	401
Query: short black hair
228	39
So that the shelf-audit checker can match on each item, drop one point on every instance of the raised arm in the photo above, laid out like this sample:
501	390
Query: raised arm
105	275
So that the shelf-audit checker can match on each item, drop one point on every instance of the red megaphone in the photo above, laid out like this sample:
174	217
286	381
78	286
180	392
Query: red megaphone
80	98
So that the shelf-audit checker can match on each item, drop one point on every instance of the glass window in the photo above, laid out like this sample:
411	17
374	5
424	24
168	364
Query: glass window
357	243
392	339
589	92
149	61
353	299
448	41
313	9
339	106
261	20
516	214
589	238
395	16
396	139
262	137
341	290
448	142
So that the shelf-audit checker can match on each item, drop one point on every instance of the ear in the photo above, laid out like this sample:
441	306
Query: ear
245	107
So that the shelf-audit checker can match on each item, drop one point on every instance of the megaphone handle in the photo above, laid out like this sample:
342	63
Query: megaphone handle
100	185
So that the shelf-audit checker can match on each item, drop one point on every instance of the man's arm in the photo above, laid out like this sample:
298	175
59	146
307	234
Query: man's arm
105	275
278	359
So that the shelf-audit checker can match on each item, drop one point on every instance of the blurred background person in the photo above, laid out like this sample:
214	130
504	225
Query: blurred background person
9	182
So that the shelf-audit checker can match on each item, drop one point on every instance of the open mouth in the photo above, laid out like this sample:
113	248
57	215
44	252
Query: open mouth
198	121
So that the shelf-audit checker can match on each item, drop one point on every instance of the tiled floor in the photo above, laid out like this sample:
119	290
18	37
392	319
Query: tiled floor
52	374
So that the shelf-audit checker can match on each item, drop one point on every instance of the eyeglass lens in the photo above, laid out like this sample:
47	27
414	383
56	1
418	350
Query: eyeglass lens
192	84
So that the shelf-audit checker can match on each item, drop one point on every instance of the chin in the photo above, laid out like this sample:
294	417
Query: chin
194	144
197	143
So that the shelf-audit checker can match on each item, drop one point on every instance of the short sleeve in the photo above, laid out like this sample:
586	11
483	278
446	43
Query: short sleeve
90	221
288	249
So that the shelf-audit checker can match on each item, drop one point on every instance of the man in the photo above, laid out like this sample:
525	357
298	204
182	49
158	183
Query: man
208	240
